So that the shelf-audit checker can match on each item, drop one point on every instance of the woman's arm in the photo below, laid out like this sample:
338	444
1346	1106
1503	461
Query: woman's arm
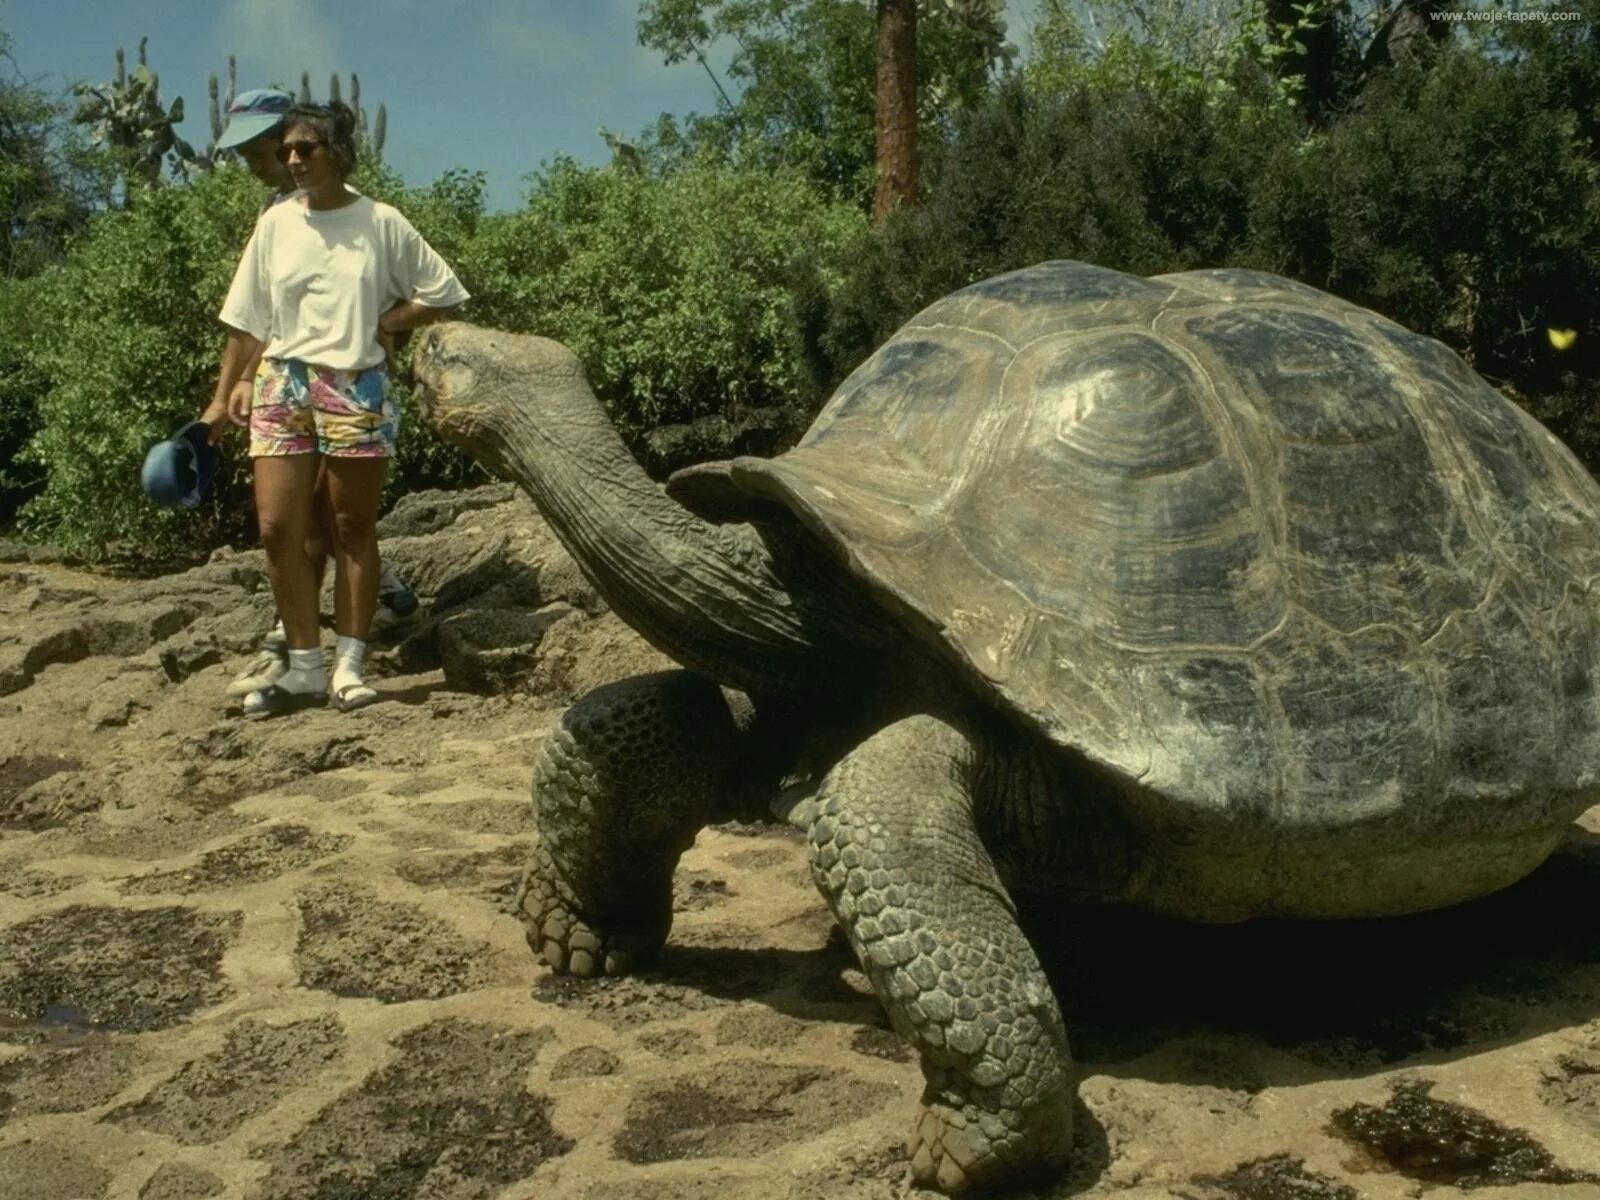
411	314
241	351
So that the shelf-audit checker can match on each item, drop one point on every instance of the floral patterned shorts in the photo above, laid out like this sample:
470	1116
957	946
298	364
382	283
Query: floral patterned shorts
301	409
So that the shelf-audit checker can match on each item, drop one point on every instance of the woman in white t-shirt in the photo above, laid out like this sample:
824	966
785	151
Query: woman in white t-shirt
327	277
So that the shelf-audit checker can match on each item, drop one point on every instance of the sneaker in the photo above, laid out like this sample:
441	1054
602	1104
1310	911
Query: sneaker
395	595
268	666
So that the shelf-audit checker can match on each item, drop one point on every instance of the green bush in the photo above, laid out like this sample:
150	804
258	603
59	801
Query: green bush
1461	201
1099	167
124	346
22	381
126	336
676	292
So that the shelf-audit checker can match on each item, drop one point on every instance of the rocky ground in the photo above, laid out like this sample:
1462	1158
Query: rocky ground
277	960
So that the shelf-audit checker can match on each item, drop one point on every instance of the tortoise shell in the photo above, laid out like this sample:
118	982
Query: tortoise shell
1257	550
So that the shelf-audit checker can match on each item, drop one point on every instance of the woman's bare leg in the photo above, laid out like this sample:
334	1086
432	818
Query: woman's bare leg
355	488
283	488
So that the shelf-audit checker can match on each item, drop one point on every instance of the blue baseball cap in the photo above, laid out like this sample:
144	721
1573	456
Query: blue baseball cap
177	471
253	113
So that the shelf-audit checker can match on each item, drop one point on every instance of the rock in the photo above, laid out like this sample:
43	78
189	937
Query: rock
580	655
428	512
55	800
495	650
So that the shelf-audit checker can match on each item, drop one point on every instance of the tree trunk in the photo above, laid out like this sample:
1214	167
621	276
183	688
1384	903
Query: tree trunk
1408	35
895	125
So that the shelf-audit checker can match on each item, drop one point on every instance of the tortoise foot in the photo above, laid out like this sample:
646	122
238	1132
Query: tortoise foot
585	940
960	1149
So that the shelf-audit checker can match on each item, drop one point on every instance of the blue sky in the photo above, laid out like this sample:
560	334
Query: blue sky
492	85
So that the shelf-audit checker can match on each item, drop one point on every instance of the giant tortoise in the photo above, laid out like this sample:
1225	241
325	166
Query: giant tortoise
1209	593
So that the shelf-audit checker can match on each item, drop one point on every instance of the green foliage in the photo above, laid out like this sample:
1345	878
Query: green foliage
677	292
126	117
126	335
1102	166
447	213
49	182
1463	201
802	79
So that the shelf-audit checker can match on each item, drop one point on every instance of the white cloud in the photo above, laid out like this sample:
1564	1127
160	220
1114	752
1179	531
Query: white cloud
275	40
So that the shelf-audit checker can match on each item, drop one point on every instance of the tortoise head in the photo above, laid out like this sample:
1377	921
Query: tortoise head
467	373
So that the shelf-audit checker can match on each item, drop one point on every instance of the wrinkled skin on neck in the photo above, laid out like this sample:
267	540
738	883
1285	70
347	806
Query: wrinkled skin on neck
757	609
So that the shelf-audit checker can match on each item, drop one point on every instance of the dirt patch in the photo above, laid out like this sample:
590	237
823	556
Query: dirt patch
695	890
69	1080
177	1181
689	981
47	1171
19	774
1572	1085
754	1025
876	1042
1435	1141
477	816
24	884
212	1096
354	944
672	1043
118	969
256	857
451	1118
585	1062
486	870
1279	1178
741	1109
161	833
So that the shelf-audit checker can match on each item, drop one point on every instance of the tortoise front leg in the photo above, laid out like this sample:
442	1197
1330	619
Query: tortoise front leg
629	776
896	853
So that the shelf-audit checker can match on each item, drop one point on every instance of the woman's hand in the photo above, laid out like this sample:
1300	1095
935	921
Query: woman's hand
239	400
216	415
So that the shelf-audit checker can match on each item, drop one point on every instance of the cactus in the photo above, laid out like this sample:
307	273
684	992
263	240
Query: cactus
127	117
220	106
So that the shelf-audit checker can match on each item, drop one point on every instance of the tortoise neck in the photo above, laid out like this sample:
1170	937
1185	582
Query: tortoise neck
705	595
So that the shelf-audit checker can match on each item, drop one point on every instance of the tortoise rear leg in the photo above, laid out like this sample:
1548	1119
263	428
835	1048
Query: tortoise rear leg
895	850
623	784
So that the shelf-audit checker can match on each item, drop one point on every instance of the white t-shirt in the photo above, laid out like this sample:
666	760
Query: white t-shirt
313	283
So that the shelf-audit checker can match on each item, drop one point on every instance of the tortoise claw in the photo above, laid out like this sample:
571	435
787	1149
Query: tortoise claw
574	940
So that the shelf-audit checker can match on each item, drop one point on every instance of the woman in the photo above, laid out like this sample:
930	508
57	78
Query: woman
328	277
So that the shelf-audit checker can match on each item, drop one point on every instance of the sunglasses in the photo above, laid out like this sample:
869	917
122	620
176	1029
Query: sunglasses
303	149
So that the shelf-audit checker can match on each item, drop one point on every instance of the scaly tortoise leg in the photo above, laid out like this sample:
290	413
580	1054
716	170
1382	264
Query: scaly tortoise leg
626	780
895	851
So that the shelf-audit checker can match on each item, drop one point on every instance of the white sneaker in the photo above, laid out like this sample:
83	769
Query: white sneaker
268	666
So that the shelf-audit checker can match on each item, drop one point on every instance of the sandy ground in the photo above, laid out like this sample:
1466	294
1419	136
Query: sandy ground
277	961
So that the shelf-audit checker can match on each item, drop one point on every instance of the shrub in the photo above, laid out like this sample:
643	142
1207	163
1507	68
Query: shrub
676	292
126	336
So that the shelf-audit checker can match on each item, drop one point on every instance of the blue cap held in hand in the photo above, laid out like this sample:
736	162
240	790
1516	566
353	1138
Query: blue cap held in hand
178	471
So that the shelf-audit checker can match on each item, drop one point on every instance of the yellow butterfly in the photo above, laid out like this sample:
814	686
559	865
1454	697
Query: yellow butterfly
1562	339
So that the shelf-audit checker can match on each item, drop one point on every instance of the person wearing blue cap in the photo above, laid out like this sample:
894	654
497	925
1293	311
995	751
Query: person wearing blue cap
255	120
328	272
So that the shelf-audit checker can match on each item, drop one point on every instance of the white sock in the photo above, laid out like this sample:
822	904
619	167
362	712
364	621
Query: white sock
306	672
349	663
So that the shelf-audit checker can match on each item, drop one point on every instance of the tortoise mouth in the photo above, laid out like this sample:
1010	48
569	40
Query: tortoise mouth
444	376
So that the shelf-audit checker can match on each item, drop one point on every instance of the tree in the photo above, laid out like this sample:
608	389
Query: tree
126	117
49	182
798	88
895	120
